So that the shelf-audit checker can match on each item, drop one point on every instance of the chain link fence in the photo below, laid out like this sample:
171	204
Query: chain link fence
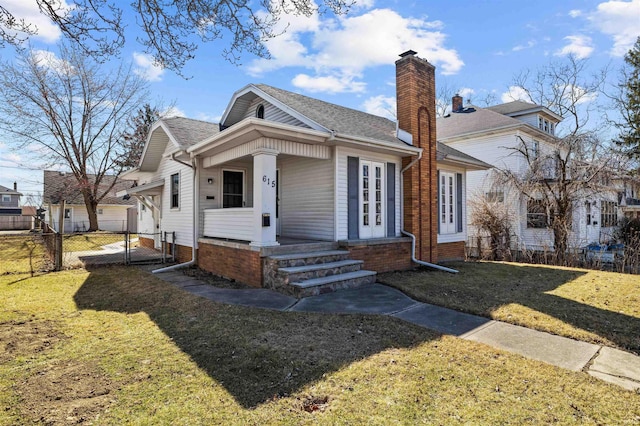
613	257
45	250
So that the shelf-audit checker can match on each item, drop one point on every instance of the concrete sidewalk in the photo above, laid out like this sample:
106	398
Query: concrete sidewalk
612	365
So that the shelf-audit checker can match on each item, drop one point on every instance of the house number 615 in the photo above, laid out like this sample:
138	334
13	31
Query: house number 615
270	182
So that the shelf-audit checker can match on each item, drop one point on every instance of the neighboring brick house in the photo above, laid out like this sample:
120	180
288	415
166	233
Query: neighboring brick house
10	200
112	209
284	175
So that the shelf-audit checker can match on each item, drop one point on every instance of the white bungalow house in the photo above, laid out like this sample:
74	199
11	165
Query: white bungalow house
492	134
286	180
114	212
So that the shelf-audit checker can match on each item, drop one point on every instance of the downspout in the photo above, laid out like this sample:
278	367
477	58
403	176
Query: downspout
407	233
196	217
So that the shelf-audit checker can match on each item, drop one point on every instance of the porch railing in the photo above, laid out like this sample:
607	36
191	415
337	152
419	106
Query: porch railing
235	223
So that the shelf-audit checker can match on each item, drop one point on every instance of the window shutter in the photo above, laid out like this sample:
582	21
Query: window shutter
391	199
352	196
459	201
438	199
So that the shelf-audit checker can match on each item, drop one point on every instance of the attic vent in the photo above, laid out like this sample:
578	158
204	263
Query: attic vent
260	111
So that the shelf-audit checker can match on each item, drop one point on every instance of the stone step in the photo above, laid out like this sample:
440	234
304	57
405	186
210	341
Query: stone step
315	286
300	273
309	258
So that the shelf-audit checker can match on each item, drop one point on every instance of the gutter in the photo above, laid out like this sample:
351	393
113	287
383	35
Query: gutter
196	207
407	233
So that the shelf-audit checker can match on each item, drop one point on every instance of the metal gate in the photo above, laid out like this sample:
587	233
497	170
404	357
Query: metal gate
139	248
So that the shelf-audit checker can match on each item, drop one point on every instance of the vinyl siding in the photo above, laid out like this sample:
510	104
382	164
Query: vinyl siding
342	231
307	203
272	113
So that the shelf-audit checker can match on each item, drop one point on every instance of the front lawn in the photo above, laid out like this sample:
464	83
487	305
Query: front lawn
593	306
117	345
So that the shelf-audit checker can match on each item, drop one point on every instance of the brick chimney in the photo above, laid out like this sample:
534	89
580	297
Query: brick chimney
456	103
416	106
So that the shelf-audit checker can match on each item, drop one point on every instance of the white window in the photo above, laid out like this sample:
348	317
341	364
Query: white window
447	197
587	207
175	191
99	211
608	213
6	198
534	150
537	216
232	188
371	200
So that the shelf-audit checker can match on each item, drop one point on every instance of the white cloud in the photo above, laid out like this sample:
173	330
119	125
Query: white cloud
621	21
527	45
579	46
515	93
47	59
383	106
29	11
341	49
466	92
328	84
574	13
146	68
172	111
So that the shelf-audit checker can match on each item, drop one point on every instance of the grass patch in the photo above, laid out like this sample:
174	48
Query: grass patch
594	306
123	345
90	241
21	253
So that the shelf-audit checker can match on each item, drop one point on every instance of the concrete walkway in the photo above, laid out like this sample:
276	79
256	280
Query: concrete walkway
612	365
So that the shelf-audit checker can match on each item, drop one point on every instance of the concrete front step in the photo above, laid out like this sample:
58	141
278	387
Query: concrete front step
309	258
306	272
315	286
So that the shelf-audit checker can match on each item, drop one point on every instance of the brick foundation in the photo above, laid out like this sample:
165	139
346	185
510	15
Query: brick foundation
145	242
451	251
183	253
381	256
237	263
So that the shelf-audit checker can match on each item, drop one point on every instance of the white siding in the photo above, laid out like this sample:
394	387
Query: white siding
272	113
236	223
341	187
307	204
113	218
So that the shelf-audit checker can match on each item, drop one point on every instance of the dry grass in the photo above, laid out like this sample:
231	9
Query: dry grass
593	306
122	346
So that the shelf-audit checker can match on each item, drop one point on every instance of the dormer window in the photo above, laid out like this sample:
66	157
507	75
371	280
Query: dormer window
260	111
546	126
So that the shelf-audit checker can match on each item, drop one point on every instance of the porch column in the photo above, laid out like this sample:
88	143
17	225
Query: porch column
264	198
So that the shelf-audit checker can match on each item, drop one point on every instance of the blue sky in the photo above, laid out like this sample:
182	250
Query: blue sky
476	46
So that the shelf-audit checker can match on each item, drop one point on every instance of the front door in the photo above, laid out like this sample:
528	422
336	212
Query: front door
371	200
68	220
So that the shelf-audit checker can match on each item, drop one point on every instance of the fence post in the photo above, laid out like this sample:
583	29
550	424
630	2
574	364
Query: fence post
58	250
126	248
173	246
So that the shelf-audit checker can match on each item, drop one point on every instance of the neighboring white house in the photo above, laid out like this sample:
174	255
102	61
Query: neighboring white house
492	135
282	167
112	210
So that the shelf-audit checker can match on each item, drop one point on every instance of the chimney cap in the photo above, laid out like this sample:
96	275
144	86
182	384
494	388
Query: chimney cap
408	53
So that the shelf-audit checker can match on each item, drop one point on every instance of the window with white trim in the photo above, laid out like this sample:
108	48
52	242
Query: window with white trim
537	215
608	213
232	188
447	199
175	191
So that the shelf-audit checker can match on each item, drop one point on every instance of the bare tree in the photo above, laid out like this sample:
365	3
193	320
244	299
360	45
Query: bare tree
561	171
492	217
68	111
169	28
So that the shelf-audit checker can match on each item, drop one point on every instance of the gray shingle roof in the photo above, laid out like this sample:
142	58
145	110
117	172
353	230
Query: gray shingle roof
342	120
513	107
187	131
446	152
470	122
5	190
58	184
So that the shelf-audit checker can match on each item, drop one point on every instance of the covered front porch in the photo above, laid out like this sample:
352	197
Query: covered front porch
266	189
